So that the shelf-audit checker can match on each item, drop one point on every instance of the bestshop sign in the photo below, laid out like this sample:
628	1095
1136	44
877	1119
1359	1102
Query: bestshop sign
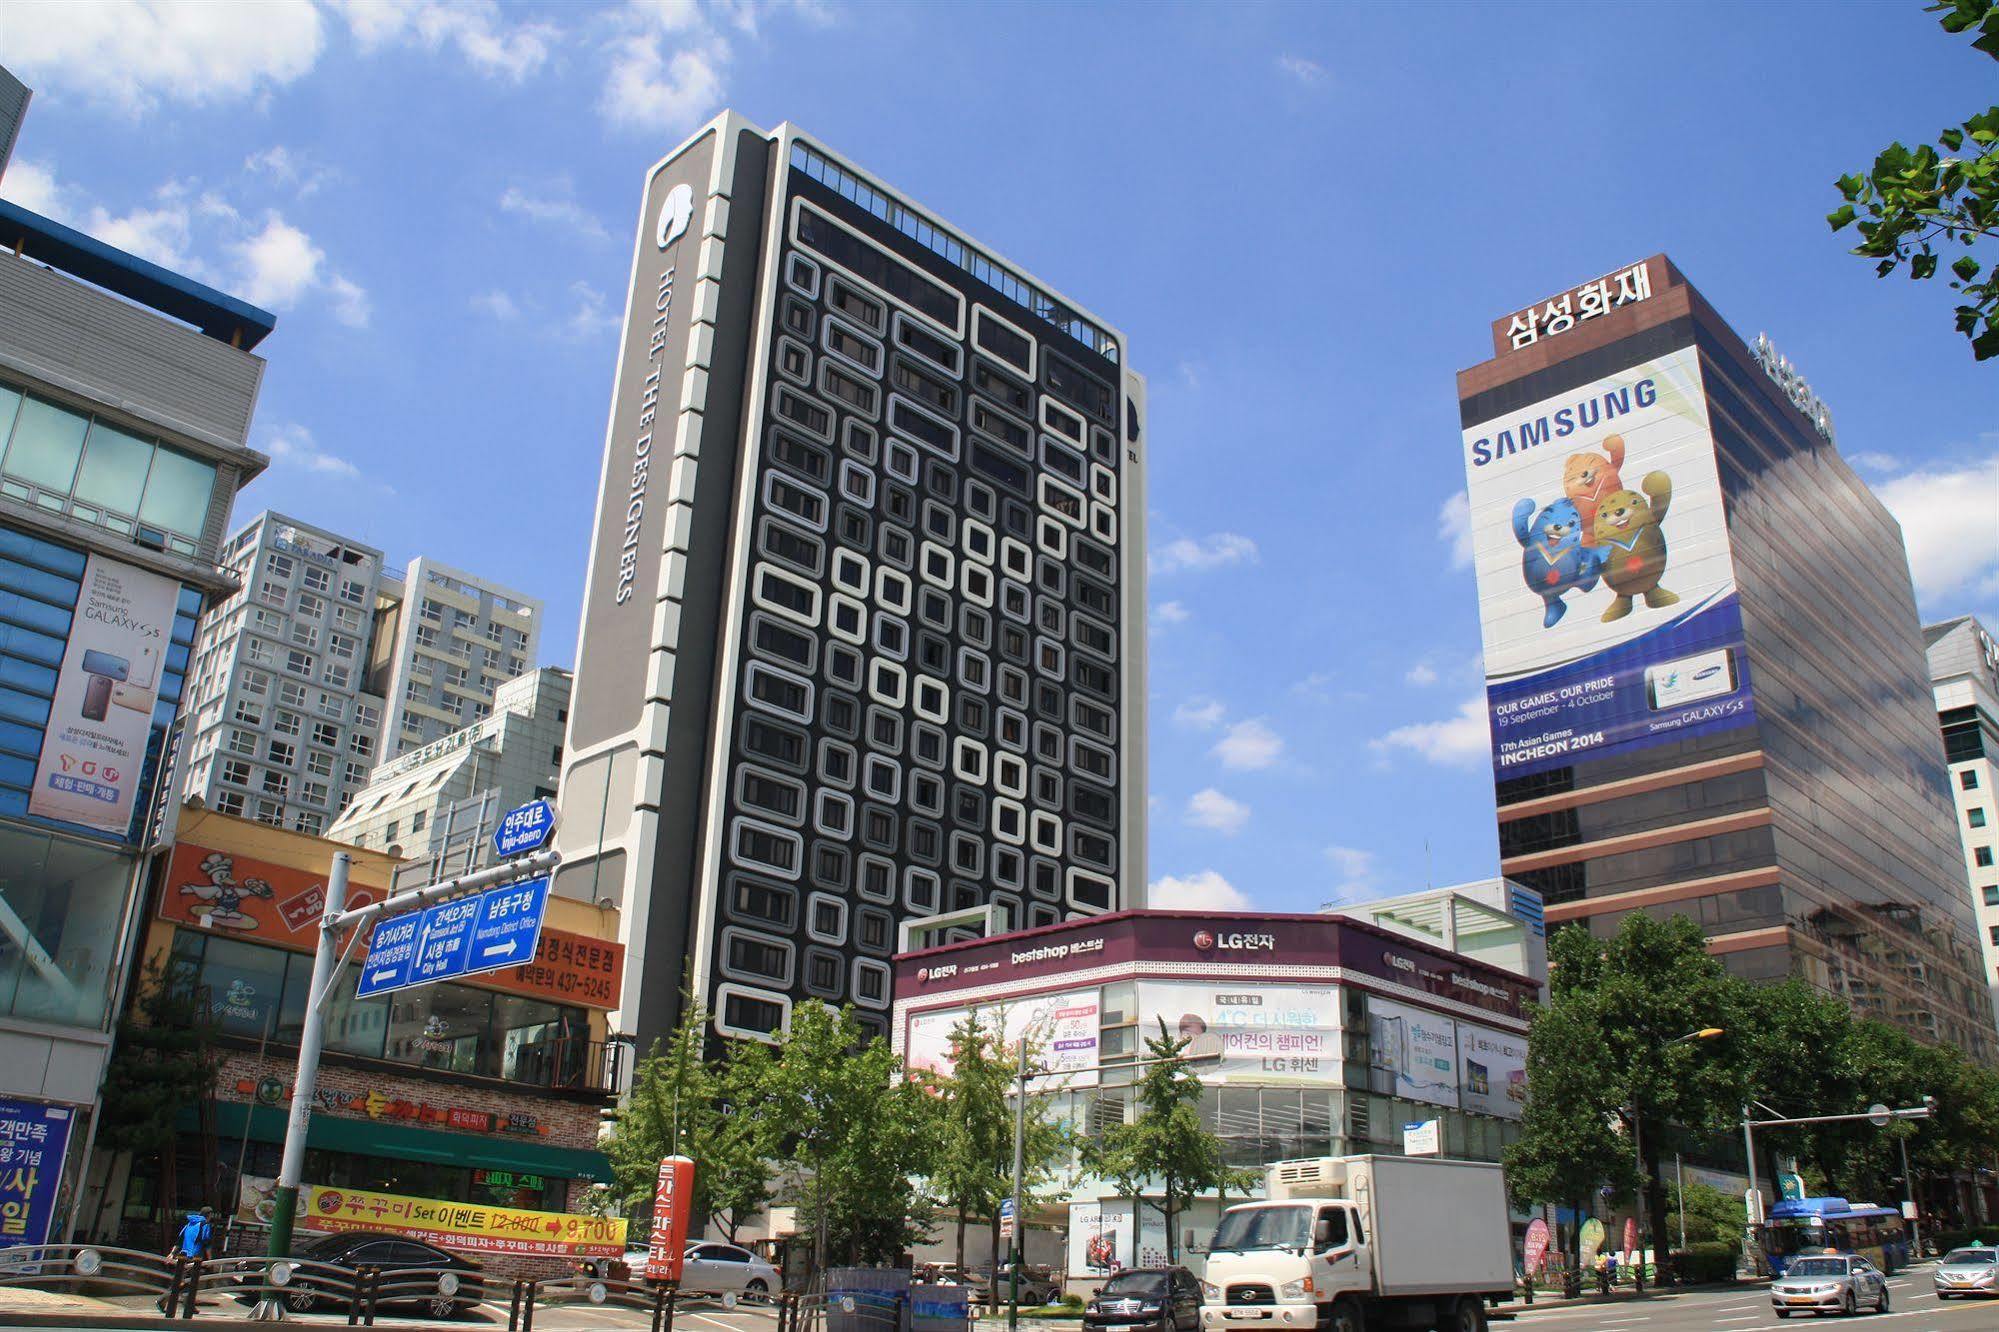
1607	593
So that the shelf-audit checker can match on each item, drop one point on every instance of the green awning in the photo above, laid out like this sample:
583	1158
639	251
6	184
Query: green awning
368	1137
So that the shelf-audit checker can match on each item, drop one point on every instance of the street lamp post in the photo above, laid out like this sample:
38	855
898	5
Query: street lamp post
1019	1245
1644	1211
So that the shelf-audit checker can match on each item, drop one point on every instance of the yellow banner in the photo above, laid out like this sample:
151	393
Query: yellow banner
473	1227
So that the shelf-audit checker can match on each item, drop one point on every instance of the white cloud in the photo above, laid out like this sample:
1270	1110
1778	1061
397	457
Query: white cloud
1353	872
554	204
1876	462
1211	809
279	264
1205	713
1316	686
1302	70
1454	529
1950	524
299	170
1248	745
589	317
1464	740
33	186
350	304
496	303
476	29
1170	612
1214	551
660	93
1205	891
133	54
294	446
1422	673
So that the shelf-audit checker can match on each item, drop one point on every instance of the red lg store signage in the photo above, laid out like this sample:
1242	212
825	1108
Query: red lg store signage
1208	941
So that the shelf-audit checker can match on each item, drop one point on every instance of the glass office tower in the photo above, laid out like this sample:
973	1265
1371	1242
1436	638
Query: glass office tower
1705	669
862	634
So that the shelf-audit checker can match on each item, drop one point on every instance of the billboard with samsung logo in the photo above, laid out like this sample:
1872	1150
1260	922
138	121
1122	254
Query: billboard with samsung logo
1607	594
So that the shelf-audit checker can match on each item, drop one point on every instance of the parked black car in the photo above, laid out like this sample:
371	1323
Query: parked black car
409	1272
1165	1298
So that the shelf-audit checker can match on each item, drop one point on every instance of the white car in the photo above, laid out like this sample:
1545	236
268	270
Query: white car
716	1269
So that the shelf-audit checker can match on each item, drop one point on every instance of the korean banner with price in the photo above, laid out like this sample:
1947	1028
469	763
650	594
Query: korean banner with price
473	1227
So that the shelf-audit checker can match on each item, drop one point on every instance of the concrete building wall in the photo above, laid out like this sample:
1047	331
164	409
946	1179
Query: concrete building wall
457	637
283	729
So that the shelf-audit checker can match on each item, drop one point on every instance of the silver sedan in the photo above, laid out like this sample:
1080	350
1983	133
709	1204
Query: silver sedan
1973	1271
1829	1283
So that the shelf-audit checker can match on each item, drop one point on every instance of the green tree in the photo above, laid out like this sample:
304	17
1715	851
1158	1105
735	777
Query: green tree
1566	1149
682	1102
1167	1141
863	1134
1712	1217
165	1061
1636	997
1914	200
976	1125
975	1154
1855	1063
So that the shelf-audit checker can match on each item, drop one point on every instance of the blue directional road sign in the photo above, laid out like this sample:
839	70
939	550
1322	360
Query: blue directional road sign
498	928
525	829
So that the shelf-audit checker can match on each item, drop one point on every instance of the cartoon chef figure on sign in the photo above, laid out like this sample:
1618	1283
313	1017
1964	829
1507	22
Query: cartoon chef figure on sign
217	901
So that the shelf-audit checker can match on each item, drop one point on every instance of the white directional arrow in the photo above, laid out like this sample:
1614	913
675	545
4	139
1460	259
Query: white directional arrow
491	950
381	976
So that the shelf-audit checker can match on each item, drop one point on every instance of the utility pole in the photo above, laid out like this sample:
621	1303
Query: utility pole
1017	1246
328	960
1680	1183
1909	1192
305	1083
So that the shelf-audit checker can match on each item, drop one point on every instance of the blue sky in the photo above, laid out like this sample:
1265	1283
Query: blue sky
1303	217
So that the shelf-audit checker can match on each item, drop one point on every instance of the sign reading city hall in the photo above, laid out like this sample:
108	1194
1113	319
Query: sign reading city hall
498	928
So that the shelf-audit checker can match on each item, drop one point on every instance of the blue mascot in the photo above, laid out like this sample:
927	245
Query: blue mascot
1554	559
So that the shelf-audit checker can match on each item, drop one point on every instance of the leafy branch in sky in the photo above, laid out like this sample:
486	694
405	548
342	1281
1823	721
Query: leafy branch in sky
1915	199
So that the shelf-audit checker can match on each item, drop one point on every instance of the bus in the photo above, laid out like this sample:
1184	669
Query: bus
1808	1225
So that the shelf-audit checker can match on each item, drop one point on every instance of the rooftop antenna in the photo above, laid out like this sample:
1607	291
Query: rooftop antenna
1429	877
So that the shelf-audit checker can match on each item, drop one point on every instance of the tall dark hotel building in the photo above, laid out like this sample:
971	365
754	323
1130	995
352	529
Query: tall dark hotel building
1704	665
861	636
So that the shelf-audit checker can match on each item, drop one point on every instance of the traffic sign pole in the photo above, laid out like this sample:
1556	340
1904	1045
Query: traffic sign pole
305	1084
327	959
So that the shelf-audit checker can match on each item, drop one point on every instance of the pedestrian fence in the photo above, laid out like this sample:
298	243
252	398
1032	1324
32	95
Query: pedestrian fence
181	1288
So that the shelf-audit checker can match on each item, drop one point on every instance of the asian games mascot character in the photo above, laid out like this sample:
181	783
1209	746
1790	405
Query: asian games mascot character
1633	547
1553	559
1588	477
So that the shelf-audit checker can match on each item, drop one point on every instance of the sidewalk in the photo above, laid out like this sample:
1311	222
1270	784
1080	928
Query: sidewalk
1618	1295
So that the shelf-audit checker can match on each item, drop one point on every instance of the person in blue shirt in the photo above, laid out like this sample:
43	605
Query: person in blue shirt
197	1234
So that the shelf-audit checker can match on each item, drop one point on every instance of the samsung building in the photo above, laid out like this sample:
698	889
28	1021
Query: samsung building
1705	670
860	640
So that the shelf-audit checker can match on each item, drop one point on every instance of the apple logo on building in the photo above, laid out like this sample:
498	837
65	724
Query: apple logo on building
675	213
1203	940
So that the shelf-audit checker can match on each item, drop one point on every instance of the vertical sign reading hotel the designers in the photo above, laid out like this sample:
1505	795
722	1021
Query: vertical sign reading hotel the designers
615	648
95	744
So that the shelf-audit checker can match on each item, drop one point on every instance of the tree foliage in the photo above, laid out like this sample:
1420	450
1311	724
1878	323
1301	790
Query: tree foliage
681	1102
1914	200
165	1060
1607	1049
863	1135
1167	1142
974	1172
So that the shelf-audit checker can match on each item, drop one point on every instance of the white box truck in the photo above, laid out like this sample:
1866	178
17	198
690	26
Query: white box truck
1360	1243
